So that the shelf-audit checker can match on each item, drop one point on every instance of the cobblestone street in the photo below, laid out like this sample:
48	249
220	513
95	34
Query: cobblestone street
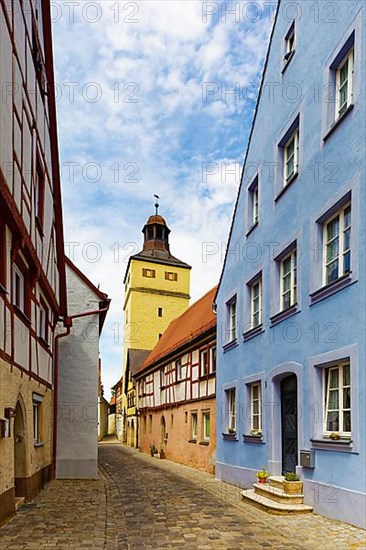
140	502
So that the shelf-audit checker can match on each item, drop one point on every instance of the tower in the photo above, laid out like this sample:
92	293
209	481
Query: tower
156	291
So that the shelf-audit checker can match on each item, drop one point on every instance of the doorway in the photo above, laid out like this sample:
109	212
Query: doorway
20	451
162	433
289	423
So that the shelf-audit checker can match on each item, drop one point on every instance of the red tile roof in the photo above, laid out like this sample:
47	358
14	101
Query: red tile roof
196	320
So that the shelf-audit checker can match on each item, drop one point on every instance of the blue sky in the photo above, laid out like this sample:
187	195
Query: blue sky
144	107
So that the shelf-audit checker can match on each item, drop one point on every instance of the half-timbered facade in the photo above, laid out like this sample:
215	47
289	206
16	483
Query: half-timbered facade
176	389
32	271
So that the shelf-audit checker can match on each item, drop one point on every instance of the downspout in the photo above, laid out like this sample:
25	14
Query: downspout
68	326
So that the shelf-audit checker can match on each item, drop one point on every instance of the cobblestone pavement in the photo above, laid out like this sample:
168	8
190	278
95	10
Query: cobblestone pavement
141	502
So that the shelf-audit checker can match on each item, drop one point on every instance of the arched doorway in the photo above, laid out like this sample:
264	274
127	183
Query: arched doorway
289	423
20	449
162	433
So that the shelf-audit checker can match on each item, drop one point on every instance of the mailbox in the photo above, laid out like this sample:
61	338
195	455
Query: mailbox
307	459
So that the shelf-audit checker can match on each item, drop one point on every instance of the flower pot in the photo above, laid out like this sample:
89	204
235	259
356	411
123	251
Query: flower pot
292	487
262	480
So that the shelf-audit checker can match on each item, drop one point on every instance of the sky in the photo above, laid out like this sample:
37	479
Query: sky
153	97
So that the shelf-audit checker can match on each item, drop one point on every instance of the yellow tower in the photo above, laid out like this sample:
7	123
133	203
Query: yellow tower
156	291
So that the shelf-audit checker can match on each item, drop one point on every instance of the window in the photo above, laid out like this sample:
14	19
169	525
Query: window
213	359
231	410
178	369
37	417
344	84
289	280
337	245
150	423
255	408
337	385
144	424
18	289
253	202
170	276
43	322
194	425
256	303
232	319
2	255
291	158
39	190
206	427
160	335
149	273
160	311
204	362
289	43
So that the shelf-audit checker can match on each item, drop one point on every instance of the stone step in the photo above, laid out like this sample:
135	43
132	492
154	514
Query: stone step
19	501
276	481
272	507
278	495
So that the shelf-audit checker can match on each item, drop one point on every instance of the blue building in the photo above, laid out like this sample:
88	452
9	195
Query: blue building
291	382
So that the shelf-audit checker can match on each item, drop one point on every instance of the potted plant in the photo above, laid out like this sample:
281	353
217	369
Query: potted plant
292	484
153	449
262	475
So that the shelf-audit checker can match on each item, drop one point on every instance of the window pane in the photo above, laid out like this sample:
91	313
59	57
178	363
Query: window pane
346	375
332	249
347	216
255	422
346	398
332	272
347	262
287	282
347	239
334	378
344	72
255	407
347	421
255	392
286	300
333	228
333	422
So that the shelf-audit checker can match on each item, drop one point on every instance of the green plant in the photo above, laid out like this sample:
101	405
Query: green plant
263	473
231	430
292	477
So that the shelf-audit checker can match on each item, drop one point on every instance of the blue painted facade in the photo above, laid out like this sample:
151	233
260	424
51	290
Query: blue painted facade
324	326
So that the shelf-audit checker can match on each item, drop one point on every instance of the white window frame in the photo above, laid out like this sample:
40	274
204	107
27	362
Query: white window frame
341	242
293	279
213	359
42	322
253	310
288	177
206	415
178	370
18	273
231	404
204	352
194	425
37	403
289	43
258	414
341	108
340	367
254	197
232	319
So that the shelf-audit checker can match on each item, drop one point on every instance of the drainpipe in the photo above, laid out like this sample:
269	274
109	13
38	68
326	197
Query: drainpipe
68	326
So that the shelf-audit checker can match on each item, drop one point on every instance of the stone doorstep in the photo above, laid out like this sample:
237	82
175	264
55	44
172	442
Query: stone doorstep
276	494
273	507
19	501
276	481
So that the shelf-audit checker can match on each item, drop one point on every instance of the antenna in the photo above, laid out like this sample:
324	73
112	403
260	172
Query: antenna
157	204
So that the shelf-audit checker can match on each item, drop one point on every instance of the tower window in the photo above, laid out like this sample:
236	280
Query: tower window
160	335
149	273
160	311
170	276
150	233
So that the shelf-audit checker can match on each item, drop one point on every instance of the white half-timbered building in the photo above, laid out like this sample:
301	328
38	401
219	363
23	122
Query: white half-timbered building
176	389
32	271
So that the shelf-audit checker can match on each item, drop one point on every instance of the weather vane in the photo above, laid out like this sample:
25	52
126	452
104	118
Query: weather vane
157	204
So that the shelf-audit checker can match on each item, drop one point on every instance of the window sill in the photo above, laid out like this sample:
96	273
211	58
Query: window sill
230	345
287	61
250	438
38	445
230	437
327	444
253	332
22	316
285	314
337	122
192	440
331	288
251	229
285	188
204	443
